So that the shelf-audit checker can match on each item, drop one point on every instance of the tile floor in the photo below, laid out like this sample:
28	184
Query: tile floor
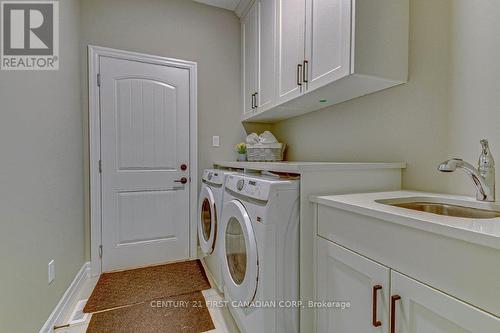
221	317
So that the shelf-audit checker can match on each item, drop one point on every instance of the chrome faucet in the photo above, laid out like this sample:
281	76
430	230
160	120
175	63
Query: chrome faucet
483	177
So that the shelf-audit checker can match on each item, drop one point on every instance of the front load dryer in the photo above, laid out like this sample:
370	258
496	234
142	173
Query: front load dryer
260	253
209	210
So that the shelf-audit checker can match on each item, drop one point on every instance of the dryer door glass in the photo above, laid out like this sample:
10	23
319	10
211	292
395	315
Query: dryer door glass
236	251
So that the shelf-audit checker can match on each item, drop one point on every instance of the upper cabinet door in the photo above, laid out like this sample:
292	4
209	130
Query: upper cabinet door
328	41
342	275
266	97
250	54
291	26
421	309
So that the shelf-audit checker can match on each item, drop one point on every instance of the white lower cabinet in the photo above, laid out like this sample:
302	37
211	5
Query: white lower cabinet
422	309
382	300
345	276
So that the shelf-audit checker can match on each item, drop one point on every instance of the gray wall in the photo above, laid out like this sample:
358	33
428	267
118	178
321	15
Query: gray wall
41	183
474	83
185	30
450	102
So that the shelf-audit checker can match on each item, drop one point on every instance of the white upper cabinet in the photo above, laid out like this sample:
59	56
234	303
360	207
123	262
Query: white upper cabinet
266	97
258	31
328	42
325	52
250	55
290	38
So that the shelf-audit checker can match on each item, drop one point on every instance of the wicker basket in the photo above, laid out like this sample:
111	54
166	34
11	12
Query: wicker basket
265	152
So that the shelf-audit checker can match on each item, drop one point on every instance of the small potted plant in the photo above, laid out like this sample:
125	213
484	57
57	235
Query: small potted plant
241	149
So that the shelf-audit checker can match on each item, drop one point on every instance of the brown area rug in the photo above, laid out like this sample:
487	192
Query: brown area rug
184	313
141	285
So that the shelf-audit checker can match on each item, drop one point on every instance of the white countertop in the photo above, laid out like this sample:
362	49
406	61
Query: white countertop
479	231
298	167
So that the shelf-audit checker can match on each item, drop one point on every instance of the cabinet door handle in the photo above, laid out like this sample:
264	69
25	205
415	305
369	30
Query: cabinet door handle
394	299
256	104
305	73
253	103
299	72
375	322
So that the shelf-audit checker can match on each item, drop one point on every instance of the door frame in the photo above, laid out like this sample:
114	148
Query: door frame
94	54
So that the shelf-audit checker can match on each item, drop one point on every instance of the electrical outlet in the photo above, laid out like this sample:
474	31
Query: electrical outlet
52	271
215	141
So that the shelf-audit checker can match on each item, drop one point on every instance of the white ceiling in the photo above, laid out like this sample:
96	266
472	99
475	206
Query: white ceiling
227	4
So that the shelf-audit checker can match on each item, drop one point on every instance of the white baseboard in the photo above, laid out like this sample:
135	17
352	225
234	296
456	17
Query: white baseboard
68	298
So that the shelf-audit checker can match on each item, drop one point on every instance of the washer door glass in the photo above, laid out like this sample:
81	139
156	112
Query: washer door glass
207	220
236	251
240	266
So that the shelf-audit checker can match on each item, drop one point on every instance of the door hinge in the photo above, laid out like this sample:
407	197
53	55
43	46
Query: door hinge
100	251
98	80
100	166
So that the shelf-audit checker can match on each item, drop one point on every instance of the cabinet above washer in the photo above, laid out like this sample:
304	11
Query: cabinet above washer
317	53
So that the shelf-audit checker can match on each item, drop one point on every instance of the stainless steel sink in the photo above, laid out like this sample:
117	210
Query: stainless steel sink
454	208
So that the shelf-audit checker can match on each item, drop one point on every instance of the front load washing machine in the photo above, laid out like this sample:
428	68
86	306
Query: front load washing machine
209	209
260	253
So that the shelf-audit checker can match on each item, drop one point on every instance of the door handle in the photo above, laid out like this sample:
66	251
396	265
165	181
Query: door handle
256	104
375	322
305	71
299	71
183	180
394	299
253	101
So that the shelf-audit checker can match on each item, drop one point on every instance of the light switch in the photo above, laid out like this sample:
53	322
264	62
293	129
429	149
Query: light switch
216	141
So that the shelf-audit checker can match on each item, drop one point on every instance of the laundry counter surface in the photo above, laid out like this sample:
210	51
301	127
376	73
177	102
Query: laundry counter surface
481	231
300	167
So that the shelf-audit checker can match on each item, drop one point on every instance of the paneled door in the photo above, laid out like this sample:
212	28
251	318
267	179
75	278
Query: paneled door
417	308
145	154
328	41
291	26
250	53
345	276
267	55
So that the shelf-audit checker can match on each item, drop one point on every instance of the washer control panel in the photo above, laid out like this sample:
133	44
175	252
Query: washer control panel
213	176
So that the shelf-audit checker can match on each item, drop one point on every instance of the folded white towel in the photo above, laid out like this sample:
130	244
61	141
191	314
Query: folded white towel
267	138
253	139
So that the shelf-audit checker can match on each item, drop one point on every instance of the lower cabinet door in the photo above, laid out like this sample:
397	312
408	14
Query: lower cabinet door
422	309
350	279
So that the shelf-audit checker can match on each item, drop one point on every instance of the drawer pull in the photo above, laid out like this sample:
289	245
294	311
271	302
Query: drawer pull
394	299
299	72
305	73
375	322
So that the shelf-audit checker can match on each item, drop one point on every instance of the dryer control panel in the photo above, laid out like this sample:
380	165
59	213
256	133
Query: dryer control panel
249	187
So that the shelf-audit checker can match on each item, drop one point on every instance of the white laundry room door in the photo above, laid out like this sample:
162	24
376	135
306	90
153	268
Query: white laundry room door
145	154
